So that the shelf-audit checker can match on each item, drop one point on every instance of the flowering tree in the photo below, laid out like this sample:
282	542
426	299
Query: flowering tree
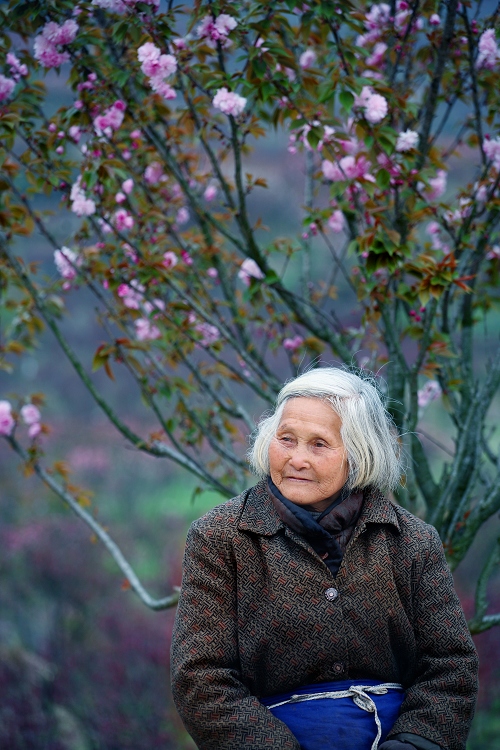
196	303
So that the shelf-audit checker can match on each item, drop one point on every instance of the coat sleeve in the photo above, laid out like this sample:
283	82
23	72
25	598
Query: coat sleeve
439	704
215	705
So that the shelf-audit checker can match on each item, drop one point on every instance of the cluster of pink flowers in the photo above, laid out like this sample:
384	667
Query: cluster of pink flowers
7	86
119	6
307	58
337	222
122	220
229	102
17	68
430	392
379	18
348	168
157	67
407	140
291	345
216	30
80	204
209	333
374	105
494	253
249	270
153	174
492	151
111	120
131	294
67	262
210	193
7	421
53	36
437	186
300	135
31	417
377	56
146	330
434	230
489	54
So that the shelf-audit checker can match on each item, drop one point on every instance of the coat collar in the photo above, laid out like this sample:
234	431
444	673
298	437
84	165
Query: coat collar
259	514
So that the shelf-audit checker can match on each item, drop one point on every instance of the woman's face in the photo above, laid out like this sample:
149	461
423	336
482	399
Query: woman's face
307	458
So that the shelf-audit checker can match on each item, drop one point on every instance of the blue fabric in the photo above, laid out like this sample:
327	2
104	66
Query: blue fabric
336	724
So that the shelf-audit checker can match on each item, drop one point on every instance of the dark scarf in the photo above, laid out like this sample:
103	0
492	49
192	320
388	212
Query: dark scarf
330	532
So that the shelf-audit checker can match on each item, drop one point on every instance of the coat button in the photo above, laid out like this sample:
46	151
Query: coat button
338	667
331	594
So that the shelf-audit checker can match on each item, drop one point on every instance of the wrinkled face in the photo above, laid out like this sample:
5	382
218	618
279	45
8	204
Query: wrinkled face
307	458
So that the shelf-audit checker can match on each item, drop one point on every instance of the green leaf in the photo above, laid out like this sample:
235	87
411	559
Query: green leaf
383	179
347	100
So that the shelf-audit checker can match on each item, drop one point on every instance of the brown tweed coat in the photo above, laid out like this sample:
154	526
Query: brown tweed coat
254	620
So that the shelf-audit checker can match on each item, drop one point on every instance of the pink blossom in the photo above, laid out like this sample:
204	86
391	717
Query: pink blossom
60	150
67	262
154	173
145	330
120	197
131	295
110	120
213	273
52	127
430	392
123	220
407	140
336	222
30	414
75	133
489	54
52	36
433	228
128	186
34	430
376	108
291	345
17	68
377	57
218	30
210	193
182	216
437	186
307	58
378	17
210	334
81	205
179	43
7	422
492	151
160	67
435	20
78	104
494	253
348	168
6	87
229	102
148	52
248	270
169	259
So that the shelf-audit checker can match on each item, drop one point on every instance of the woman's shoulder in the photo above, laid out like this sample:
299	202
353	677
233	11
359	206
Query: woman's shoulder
224	518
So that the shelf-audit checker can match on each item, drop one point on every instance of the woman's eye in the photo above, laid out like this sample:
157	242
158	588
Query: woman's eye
319	444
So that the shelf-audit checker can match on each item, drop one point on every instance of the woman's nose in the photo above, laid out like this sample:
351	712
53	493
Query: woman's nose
299	458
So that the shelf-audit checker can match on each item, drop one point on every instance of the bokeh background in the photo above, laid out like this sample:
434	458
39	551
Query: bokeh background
83	664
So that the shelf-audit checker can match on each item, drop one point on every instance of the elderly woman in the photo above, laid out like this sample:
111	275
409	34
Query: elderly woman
314	612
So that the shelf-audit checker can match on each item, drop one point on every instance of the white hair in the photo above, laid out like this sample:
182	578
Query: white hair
367	430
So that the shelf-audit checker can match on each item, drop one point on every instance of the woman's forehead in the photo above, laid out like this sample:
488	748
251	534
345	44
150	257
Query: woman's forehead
310	412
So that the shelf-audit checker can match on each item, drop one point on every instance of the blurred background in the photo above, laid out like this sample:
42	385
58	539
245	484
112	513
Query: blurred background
83	664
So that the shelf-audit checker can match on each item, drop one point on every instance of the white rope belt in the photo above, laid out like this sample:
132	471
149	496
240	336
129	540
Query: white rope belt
359	695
